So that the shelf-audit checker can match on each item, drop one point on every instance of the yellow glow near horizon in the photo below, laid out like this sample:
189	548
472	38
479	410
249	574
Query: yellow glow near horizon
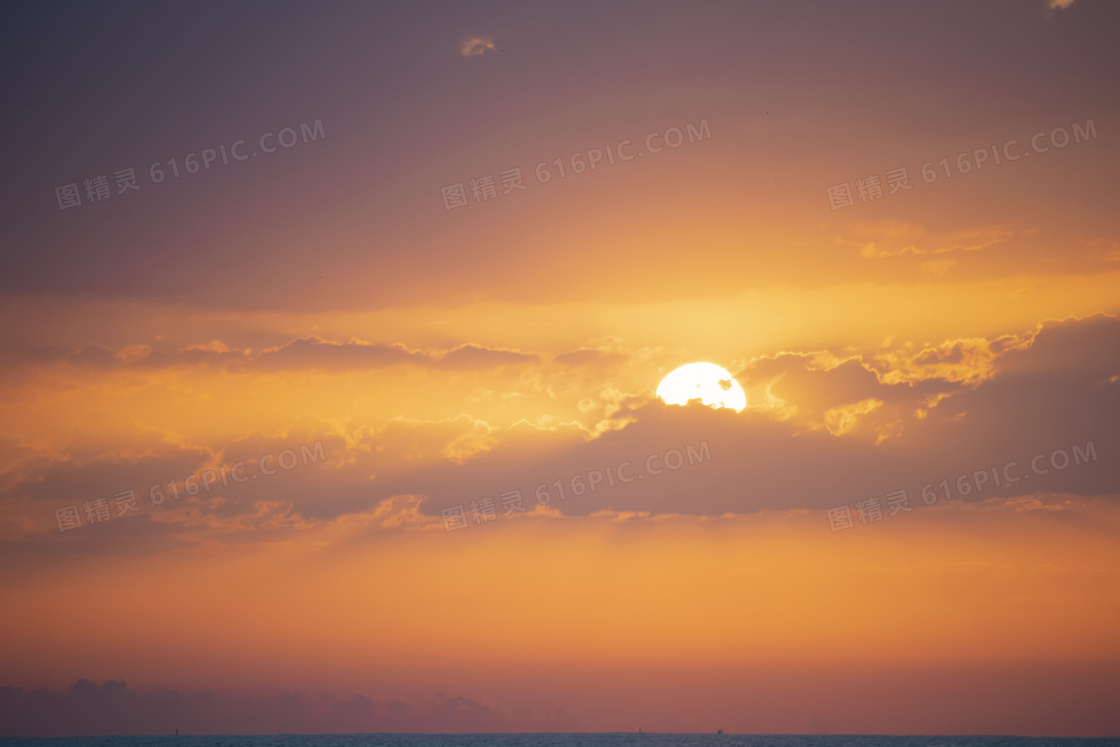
713	385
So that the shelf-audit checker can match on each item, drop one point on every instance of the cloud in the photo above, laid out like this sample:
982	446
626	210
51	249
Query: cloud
477	45
112	708
834	430
892	239
850	434
475	357
303	353
91	356
969	361
312	352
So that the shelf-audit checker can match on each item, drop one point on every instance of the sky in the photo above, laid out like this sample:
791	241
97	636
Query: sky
332	335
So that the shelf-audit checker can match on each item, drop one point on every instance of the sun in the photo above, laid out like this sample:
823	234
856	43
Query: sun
707	382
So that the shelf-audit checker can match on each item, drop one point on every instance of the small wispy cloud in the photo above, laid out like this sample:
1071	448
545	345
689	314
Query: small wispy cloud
477	45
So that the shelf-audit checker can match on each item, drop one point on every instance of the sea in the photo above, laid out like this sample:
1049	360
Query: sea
561	740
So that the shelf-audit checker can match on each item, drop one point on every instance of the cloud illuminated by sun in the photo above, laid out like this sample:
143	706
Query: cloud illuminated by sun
477	45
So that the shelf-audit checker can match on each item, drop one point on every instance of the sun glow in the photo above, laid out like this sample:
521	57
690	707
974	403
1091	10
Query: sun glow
712	385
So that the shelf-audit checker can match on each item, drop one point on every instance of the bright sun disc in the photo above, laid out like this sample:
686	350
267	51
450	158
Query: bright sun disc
707	382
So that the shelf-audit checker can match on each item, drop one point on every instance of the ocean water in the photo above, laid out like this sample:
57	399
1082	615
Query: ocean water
561	740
